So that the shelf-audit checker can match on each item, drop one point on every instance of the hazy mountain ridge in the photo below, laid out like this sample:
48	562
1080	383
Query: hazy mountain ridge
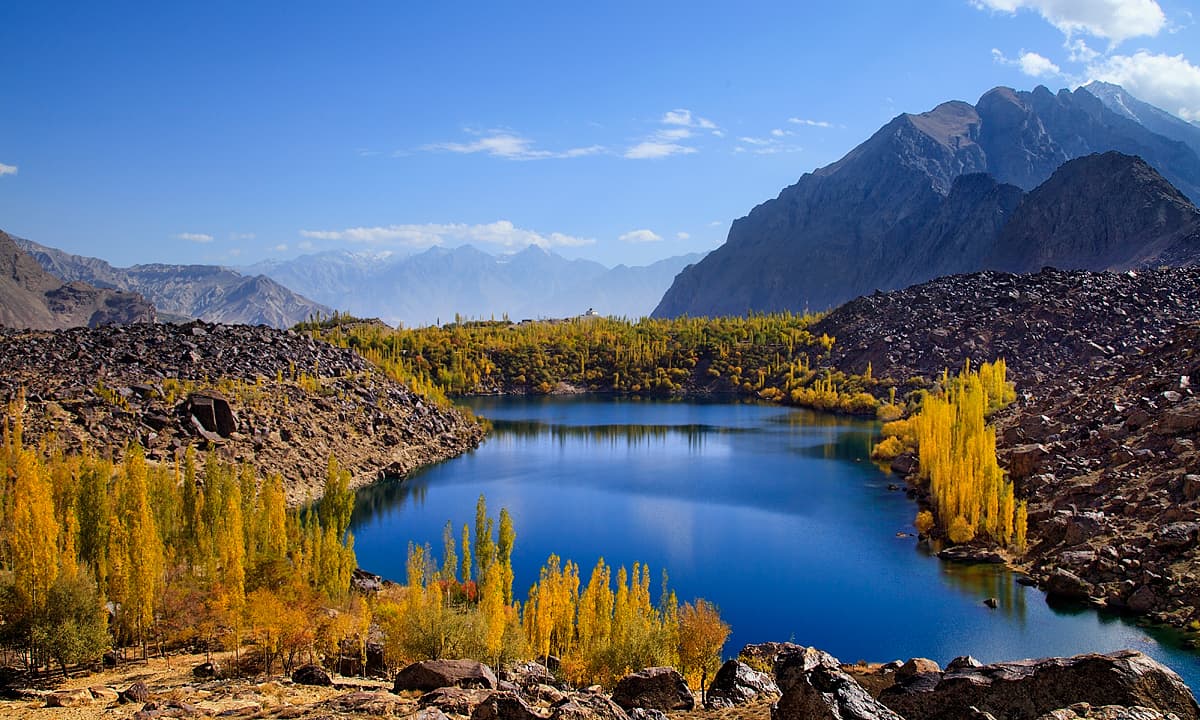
873	219
30	297
438	283
184	292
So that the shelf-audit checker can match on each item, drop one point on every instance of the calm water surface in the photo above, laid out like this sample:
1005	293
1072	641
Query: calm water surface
776	515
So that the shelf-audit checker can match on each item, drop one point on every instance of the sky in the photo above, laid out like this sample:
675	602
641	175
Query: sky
233	132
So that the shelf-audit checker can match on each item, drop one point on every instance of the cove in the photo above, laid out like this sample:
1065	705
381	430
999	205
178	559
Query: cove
774	514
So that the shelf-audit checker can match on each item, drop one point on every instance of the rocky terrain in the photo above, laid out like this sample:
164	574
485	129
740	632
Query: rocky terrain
31	297
1102	438
278	399
187	292
931	194
796	683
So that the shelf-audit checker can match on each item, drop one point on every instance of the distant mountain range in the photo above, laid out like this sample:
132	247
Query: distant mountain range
186	292
30	297
949	191
439	283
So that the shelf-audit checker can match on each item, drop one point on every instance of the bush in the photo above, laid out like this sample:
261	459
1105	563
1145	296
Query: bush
961	531
888	449
924	522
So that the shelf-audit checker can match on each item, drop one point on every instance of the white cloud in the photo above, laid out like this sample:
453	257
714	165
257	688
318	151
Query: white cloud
241	236
1079	51
652	149
1168	81
716	223
640	236
673	134
1030	63
780	132
510	146
281	247
501	232
195	237
755	141
810	123
7	169
305	245
683	236
1113	20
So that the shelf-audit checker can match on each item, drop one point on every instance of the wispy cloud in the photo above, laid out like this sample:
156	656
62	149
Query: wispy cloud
241	236
683	236
1112	20
509	146
7	169
678	125
281	247
501	232
810	123
640	236
195	237
772	144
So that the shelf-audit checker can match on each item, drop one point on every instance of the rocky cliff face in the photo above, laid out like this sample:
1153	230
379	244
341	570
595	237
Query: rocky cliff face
278	399
32	298
871	220
187	292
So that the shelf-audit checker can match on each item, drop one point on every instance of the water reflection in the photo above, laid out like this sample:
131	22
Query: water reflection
981	581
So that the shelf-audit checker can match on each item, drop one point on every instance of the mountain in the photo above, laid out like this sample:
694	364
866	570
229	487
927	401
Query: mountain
30	297
186	292
892	211
1152	118
440	283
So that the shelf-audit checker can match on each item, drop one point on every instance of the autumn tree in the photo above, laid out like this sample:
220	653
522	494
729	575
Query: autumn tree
702	634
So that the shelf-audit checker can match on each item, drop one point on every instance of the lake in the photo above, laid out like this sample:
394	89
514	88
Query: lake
774	514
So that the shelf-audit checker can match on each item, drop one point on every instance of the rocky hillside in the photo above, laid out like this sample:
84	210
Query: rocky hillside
275	398
1102	439
187	292
900	208
32	298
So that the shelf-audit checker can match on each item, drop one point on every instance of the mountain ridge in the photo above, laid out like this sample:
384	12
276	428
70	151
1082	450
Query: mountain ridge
842	230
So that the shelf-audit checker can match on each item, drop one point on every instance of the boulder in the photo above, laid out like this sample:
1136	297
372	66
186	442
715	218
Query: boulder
453	700
1066	585
136	693
103	693
433	674
814	687
375	704
762	656
587	706
206	671
1025	460
1177	535
655	688
1029	689
503	705
77	697
963	662
312	675
647	714
212	411
736	683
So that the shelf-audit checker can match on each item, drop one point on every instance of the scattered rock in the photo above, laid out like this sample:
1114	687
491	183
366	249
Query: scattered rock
206	671
104	694
814	687
587	706
453	700
78	697
1028	689
136	693
503	705
656	688
1066	585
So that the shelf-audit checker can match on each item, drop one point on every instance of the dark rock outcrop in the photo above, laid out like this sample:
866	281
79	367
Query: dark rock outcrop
814	687
135	693
503	705
433	674
655	688
587	706
1028	689
736	683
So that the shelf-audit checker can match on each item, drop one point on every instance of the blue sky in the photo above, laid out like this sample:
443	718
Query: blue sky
622	132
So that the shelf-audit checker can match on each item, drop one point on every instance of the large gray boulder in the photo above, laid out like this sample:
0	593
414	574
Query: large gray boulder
656	688
433	674
815	687
737	683
1029	689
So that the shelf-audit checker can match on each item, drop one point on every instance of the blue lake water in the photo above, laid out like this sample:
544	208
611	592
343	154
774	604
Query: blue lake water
776	515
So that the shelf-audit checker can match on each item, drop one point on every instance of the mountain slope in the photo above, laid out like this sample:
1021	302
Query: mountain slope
1153	118
205	292
856	226
30	297
440	283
